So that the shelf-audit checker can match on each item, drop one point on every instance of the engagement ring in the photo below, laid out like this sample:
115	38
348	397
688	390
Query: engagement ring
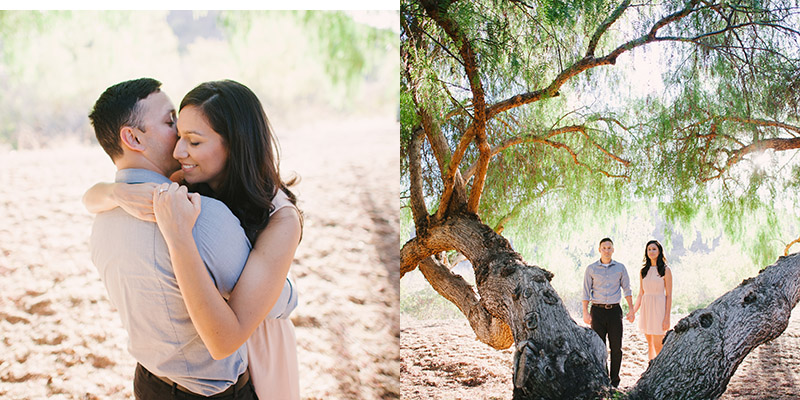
162	190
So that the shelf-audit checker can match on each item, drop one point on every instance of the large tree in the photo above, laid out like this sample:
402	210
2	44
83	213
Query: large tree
532	110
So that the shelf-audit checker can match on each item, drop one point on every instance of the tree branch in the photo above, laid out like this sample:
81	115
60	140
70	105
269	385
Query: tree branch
488	328
605	25
776	144
443	47
544	139
477	129
422	247
574	155
763	122
587	62
418	209
788	246
518	208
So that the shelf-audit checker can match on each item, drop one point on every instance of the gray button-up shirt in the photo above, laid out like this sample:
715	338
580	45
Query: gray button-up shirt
601	284
134	263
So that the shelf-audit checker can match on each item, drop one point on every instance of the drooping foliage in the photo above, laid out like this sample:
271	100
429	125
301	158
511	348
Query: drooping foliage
594	107
53	64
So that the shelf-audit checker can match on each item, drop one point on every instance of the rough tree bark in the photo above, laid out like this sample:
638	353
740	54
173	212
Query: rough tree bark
557	359
702	352
554	357
488	328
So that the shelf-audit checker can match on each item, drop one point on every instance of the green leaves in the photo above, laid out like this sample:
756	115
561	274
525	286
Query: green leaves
675	110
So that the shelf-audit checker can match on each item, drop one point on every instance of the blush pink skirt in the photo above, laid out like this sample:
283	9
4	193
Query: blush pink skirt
272	354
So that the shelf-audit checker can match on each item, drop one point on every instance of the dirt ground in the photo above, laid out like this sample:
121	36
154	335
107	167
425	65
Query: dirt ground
441	359
61	339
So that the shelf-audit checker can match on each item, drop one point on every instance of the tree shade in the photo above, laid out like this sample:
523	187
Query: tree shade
558	112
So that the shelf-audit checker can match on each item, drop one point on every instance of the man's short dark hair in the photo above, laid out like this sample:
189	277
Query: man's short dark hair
606	240
119	106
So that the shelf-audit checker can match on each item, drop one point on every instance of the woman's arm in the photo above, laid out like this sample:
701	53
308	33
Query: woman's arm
225	326
668	292
135	199
638	302
98	198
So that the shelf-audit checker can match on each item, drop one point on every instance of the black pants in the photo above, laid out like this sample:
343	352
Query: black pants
147	386
609	322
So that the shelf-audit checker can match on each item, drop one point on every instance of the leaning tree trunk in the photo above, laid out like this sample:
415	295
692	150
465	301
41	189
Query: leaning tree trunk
703	351
557	359
488	328
554	357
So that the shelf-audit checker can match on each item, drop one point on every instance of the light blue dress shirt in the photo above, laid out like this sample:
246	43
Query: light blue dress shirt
134	263
602	284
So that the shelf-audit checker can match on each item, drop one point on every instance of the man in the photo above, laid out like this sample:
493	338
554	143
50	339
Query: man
135	124
601	286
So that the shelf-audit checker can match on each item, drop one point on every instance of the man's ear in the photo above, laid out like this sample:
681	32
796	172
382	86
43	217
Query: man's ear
129	139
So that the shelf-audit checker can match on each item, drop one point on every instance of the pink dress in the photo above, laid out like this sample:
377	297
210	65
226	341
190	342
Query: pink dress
654	303
272	350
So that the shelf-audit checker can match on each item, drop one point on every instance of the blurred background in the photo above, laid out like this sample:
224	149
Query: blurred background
301	64
329	83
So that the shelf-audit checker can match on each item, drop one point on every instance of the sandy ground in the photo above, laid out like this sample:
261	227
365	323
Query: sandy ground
61	339
441	359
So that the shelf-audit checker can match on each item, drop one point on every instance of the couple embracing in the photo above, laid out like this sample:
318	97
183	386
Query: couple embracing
603	285
197	264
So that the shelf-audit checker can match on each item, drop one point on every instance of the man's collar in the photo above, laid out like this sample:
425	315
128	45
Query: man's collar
138	175
610	263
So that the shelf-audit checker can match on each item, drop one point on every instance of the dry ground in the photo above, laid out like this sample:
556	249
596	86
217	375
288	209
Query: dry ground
61	339
441	359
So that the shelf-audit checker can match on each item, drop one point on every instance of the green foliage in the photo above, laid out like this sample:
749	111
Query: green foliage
55	64
408	121
675	111
346	52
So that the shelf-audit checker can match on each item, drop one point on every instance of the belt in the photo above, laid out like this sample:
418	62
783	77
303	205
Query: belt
243	379
606	306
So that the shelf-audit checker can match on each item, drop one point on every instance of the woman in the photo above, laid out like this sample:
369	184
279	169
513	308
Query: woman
225	150
655	297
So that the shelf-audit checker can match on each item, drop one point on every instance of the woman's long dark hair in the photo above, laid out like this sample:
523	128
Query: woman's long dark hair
661	262
251	176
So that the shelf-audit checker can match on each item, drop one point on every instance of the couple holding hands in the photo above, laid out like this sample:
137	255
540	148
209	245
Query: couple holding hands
603	284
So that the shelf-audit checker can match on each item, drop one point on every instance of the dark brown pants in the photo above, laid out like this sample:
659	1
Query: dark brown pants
147	386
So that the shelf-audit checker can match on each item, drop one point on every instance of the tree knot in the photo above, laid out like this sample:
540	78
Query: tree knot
507	269
550	296
706	320
750	298
532	320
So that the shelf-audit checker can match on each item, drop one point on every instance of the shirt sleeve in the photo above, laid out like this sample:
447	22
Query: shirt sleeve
222	244
587	284
224	248
286	303
625	282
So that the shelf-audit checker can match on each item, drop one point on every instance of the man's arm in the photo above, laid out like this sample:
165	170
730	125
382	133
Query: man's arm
587	290
625	283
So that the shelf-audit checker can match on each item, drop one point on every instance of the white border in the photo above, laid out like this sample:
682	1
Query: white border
203	5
